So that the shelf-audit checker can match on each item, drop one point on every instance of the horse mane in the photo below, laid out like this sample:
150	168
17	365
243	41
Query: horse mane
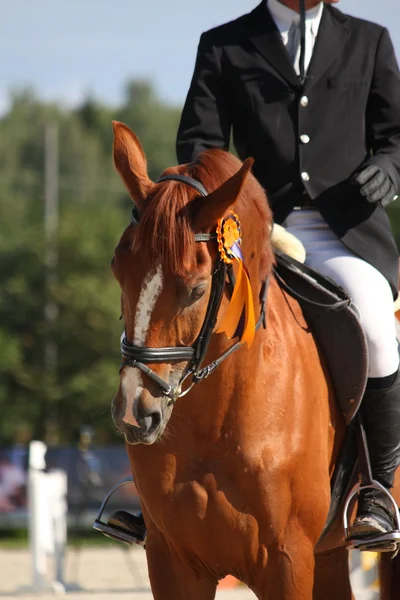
165	230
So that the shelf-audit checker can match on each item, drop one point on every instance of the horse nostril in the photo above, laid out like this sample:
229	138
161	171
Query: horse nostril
150	422
156	419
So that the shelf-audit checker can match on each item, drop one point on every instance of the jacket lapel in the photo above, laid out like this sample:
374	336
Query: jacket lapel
332	36
266	38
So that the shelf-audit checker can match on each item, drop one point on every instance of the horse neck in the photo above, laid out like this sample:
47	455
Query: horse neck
209	402
216	400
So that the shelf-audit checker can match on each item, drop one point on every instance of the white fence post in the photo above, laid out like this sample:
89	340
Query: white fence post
47	510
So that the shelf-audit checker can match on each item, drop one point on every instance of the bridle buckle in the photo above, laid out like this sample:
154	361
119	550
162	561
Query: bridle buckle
173	395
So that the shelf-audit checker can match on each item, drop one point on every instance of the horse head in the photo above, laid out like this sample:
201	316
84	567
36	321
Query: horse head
165	271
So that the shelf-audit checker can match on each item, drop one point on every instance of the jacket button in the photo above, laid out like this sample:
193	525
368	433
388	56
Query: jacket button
305	176
305	138
304	101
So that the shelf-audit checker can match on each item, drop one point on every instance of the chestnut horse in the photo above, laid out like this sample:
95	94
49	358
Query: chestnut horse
234	477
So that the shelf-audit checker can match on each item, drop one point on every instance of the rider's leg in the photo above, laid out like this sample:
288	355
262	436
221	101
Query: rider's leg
380	411
380	408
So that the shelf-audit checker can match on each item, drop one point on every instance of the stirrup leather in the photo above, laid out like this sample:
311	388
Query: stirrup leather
383	542
120	534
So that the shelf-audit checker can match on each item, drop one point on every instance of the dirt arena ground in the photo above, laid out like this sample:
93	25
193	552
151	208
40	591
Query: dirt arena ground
106	573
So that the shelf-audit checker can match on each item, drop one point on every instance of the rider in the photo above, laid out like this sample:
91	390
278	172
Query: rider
316	102
318	107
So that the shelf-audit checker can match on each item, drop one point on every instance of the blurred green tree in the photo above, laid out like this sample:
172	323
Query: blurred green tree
93	211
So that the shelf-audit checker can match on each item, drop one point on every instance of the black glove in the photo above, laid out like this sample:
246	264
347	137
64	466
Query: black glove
375	185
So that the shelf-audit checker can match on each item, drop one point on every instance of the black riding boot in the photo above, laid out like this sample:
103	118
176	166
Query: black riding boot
133	523
380	412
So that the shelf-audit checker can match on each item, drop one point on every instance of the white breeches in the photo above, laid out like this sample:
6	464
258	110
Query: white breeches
367	287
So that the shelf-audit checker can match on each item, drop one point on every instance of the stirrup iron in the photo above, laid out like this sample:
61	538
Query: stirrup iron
114	532
383	542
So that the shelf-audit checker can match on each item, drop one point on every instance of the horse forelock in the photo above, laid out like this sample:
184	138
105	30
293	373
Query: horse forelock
164	234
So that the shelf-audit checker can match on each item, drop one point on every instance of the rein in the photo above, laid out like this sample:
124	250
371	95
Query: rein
138	356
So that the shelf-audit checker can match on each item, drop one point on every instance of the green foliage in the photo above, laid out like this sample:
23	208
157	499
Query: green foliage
51	398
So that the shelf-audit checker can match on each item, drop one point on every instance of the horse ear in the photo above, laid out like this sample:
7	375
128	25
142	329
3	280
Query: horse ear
217	203
131	164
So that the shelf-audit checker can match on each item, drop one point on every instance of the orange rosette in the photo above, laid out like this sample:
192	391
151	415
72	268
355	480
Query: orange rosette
228	233
229	238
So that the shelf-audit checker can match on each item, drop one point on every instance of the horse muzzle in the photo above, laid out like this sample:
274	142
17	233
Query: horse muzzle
137	435
139	415
144	428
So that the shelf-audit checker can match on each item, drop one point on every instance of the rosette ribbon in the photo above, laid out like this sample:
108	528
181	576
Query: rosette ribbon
239	318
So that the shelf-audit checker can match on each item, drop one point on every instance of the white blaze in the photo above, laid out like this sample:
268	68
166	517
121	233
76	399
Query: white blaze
149	294
136	382
151	289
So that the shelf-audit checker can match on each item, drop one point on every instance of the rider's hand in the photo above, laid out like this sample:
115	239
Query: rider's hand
375	185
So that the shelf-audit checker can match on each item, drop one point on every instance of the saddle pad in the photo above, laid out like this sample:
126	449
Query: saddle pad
337	329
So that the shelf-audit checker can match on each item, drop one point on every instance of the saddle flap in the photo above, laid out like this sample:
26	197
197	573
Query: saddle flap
336	326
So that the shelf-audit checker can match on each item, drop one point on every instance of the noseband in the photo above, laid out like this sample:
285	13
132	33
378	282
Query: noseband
138	356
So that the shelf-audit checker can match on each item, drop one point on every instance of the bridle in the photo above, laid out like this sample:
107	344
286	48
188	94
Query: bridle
138	356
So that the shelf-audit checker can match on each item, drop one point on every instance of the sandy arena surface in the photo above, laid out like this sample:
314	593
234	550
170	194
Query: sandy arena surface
105	573
113	572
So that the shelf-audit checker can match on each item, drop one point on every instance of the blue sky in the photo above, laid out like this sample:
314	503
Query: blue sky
66	49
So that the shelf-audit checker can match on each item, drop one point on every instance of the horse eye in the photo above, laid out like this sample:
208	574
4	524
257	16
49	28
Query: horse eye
197	292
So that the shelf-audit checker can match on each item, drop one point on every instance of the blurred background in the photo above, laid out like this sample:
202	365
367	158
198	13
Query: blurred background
67	69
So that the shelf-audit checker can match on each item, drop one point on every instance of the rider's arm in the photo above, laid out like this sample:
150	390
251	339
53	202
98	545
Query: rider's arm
205	121
383	111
